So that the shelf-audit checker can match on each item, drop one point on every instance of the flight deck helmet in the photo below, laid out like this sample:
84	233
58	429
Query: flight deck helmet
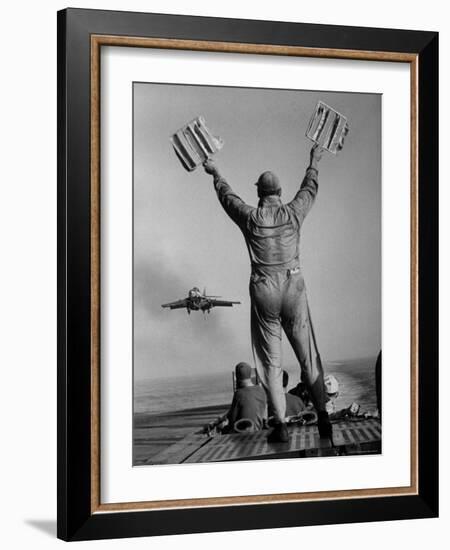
268	184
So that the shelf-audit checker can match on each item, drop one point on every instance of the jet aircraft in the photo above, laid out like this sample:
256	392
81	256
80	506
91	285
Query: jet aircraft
196	301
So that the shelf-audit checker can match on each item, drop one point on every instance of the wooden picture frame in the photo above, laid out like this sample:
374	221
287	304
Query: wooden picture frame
81	35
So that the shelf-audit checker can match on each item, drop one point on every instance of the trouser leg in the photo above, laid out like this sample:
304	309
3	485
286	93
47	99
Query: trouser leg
296	321
266	342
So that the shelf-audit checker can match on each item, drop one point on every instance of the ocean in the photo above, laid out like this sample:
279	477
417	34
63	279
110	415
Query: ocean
356	383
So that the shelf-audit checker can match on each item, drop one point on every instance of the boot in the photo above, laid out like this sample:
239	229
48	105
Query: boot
279	434
324	425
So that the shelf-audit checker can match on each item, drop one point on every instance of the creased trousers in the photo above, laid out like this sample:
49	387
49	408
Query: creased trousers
278	301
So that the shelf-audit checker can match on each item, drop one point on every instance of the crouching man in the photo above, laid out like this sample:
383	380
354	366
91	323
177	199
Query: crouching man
248	409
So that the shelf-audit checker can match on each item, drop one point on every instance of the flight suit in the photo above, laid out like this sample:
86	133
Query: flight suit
277	289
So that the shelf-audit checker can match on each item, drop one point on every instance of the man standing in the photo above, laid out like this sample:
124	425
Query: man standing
277	288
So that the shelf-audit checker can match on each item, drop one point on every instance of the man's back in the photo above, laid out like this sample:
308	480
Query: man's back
272	233
272	230
249	402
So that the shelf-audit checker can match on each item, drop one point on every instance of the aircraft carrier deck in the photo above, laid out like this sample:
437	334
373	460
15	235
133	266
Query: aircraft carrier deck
353	436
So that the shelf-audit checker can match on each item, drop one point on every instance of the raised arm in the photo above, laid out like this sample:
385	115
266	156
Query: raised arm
233	205
304	199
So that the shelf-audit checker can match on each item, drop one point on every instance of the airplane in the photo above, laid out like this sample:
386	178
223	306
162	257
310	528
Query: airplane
196	301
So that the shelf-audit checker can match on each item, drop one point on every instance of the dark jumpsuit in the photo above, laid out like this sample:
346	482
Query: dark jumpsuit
277	289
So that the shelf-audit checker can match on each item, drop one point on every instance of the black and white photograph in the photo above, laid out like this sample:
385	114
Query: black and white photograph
224	287
256	274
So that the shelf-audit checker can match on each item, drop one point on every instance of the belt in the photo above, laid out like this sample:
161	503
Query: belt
275	269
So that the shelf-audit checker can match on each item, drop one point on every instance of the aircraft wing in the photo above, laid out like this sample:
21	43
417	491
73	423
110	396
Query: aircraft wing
222	303
176	305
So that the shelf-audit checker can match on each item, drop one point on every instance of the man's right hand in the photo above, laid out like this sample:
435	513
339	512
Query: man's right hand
316	154
210	167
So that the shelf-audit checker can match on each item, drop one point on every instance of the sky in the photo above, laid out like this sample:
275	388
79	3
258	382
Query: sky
183	238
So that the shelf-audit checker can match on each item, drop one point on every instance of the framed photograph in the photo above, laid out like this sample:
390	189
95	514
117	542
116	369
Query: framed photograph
247	256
